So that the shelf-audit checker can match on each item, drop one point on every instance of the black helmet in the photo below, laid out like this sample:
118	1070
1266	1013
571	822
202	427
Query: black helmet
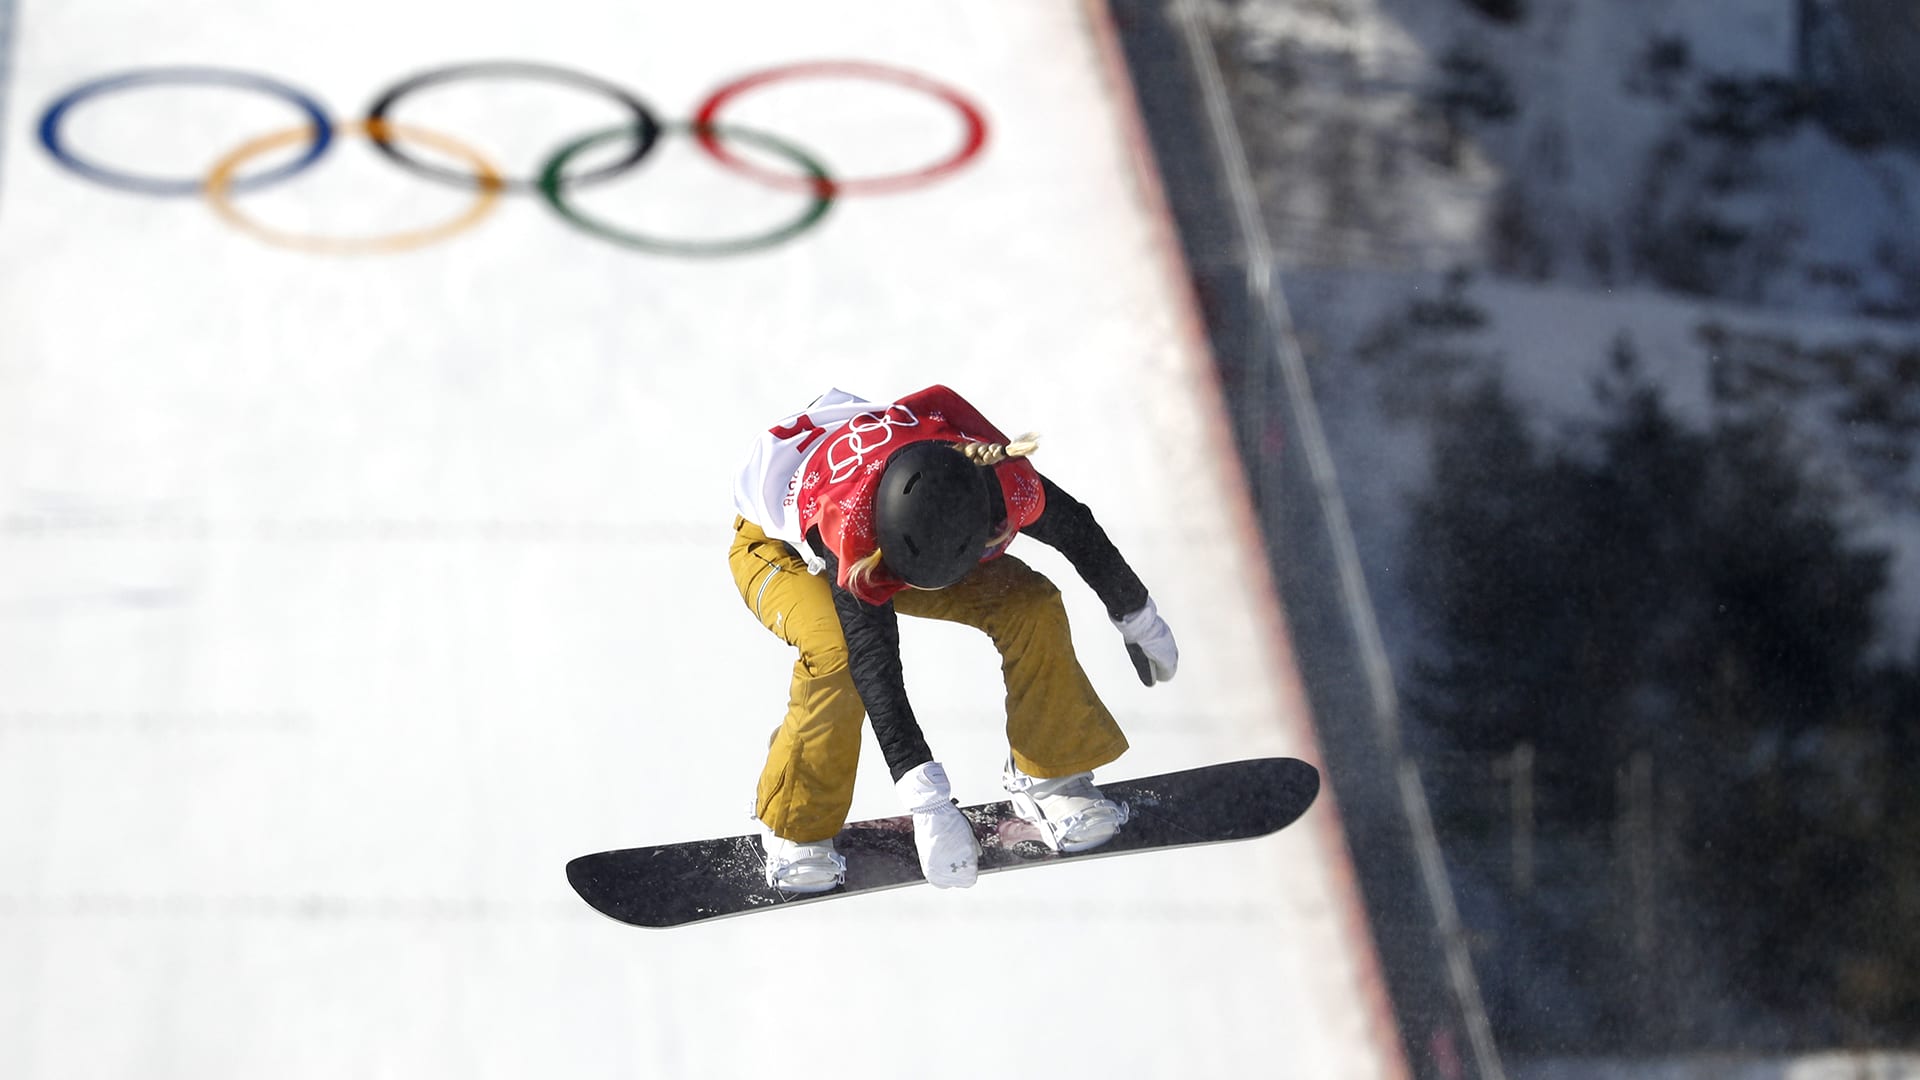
933	514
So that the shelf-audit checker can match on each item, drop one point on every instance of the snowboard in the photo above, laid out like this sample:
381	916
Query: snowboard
700	880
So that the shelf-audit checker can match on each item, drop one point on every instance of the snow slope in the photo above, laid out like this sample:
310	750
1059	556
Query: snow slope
343	599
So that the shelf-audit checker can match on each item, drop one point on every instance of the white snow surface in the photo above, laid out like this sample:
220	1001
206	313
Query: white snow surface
344	599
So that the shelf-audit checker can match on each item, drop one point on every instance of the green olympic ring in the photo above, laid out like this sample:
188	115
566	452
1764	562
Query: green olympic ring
820	185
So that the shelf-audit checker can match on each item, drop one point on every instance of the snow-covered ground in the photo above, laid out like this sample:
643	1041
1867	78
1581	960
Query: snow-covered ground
344	598
1547	346
1597	144
1585	189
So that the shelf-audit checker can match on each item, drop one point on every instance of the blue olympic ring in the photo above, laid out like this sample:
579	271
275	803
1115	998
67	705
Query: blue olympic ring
50	125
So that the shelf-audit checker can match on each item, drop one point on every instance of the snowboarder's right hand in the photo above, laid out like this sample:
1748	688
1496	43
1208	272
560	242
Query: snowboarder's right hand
949	854
1149	644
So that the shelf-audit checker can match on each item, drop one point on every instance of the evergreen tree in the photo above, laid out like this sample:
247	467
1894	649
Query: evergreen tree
1475	563
1773	684
1648	587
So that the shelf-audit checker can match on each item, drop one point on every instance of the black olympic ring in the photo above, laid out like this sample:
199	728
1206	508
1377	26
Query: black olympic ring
644	134
646	128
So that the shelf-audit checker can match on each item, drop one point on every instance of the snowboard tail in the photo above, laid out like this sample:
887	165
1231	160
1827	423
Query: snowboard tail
699	880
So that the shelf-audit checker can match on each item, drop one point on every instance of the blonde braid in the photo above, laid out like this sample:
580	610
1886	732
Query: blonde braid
990	454
860	572
994	453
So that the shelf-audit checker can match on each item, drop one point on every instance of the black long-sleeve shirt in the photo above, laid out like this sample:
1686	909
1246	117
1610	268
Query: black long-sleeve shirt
873	631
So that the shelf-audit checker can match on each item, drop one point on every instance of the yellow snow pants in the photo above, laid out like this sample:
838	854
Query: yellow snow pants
1056	724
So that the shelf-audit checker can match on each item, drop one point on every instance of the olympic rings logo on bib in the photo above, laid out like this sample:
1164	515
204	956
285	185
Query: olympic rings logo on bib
847	453
630	145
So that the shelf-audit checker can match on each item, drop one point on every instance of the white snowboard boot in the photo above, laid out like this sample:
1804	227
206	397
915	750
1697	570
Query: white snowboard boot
1070	811
949	854
802	868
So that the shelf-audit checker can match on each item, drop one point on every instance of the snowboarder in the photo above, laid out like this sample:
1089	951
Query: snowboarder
852	511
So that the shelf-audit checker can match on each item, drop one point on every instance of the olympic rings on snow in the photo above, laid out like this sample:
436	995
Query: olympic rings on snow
316	137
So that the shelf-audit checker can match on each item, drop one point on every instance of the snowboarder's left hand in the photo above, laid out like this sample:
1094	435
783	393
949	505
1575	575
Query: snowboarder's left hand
1150	644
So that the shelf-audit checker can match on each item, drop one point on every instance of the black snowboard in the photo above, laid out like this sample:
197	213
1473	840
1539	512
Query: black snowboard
674	884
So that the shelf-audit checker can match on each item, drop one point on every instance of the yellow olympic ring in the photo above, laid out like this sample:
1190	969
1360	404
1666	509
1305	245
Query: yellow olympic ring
219	190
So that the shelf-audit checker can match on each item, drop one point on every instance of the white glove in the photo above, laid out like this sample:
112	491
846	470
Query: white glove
1150	644
949	855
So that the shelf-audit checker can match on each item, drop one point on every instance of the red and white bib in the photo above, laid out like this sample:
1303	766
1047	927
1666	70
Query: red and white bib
821	468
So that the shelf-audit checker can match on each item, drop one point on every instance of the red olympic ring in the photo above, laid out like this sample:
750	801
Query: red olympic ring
972	141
